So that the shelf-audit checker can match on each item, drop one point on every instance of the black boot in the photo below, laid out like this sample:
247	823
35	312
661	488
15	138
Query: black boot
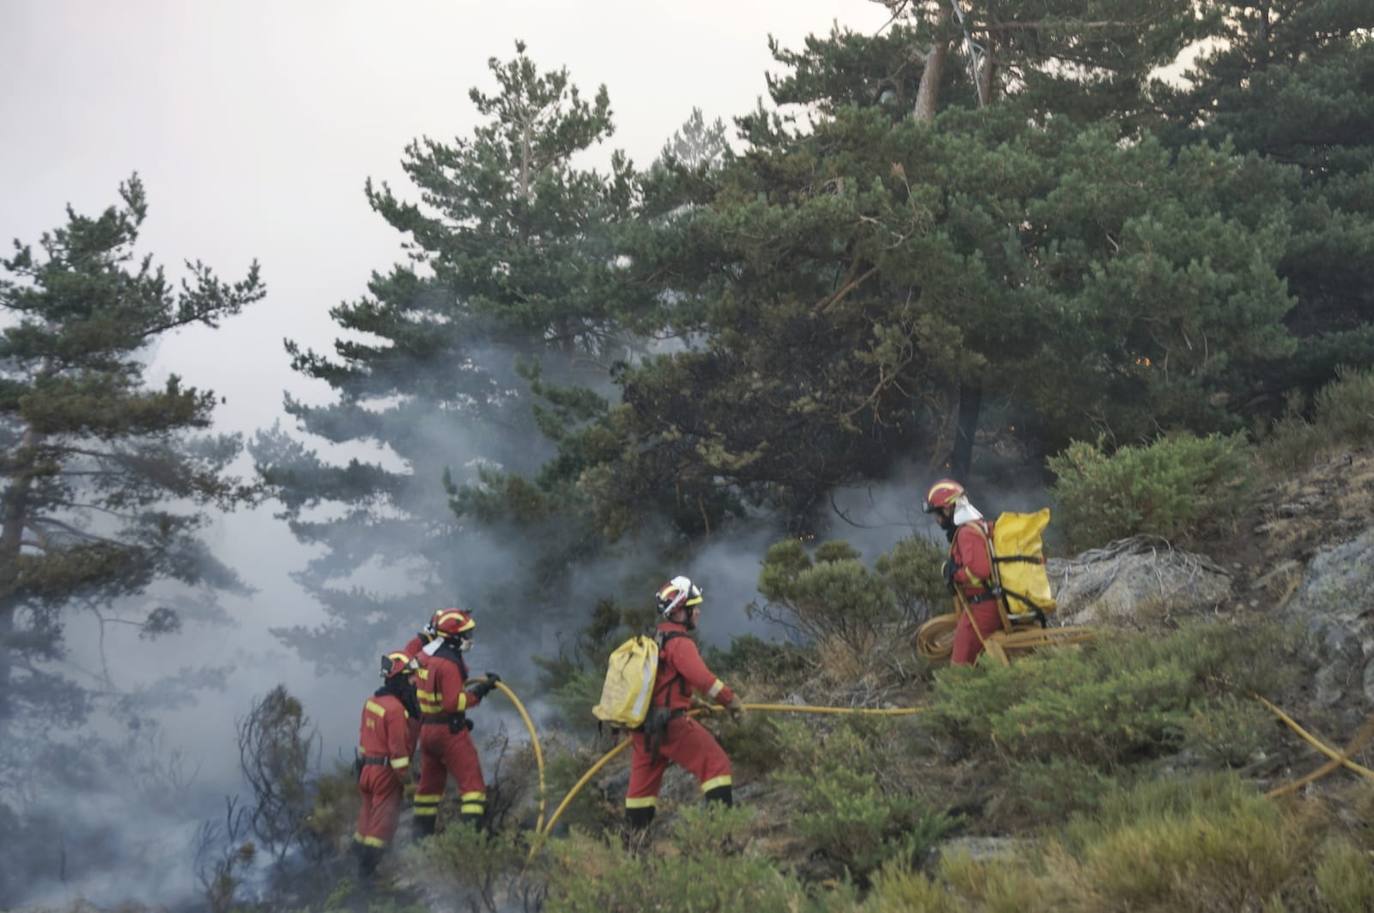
639	818
424	825
723	794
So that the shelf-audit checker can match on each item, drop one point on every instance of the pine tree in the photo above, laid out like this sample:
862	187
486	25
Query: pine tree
512	260
106	482
1293	81
849	287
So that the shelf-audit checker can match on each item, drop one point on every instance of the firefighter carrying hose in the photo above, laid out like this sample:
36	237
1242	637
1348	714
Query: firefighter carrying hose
969	567
386	741
668	734
445	744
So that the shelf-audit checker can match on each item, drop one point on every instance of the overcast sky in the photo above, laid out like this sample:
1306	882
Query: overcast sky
255	122
254	125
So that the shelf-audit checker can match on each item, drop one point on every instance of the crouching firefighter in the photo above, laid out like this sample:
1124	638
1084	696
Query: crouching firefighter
445	745
386	741
668	734
969	570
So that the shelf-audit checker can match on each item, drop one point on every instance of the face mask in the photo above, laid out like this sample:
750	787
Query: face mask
465	645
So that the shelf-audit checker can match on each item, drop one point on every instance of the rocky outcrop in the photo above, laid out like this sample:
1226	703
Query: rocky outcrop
1135	582
1334	603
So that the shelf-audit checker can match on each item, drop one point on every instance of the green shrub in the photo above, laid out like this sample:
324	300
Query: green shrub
709	867
1180	487
1201	844
839	806
1038	793
1118	699
833	598
751	657
1229	731
463	861
1342	416
1344	408
998	885
1345	878
912	572
1066	703
897	888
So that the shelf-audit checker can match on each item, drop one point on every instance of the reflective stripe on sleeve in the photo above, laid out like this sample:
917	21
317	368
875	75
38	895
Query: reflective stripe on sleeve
400	763
374	707
716	688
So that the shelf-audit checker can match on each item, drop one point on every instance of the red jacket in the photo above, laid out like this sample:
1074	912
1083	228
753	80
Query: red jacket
440	683
971	555
681	671
386	731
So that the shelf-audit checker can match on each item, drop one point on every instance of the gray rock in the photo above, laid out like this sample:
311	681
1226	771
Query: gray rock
1135	582
1335	605
986	849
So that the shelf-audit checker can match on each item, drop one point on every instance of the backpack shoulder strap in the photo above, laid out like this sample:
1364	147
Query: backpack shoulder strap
663	637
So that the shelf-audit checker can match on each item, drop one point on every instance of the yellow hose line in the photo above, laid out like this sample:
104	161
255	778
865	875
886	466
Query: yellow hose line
1317	743
807	708
534	740
572	793
1362	737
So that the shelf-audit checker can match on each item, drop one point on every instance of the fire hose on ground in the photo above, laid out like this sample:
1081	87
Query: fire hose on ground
542	829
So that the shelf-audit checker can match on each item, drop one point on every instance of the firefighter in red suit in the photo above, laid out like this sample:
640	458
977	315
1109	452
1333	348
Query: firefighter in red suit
445	744
969	568
386	741
669	735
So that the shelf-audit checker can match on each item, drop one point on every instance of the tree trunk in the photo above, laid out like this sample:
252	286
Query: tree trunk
970	404
928	92
14	510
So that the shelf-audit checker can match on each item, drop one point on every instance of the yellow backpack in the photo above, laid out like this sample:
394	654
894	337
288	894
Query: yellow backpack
1018	556
629	685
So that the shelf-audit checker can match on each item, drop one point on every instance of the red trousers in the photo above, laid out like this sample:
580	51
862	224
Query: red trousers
443	753
967	646
687	744
380	788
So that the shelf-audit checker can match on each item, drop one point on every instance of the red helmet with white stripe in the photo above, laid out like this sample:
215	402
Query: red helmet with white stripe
942	494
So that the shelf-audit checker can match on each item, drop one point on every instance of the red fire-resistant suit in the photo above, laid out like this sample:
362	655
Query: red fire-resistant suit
445	745
386	741
971	557
685	742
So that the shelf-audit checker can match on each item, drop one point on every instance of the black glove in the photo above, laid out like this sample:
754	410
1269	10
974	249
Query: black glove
358	768
493	677
947	569
482	689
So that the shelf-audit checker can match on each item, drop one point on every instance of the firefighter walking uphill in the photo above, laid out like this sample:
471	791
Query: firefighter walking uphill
668	734
446	747
969	568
